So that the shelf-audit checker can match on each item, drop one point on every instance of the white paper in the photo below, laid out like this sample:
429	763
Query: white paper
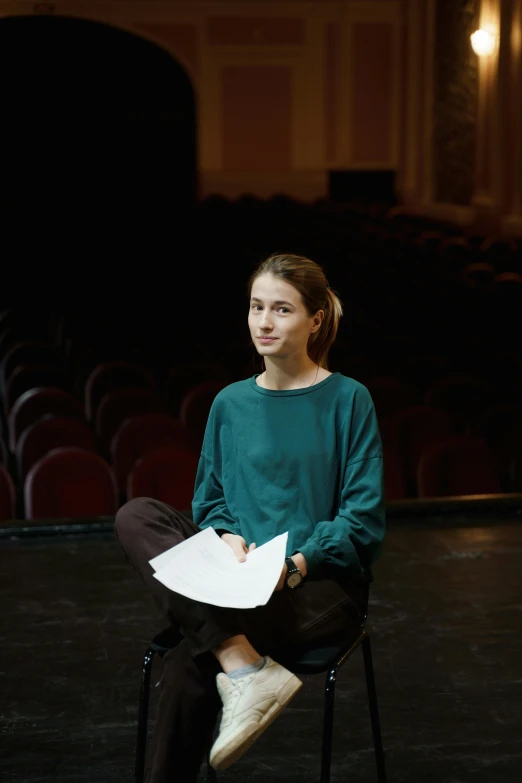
204	568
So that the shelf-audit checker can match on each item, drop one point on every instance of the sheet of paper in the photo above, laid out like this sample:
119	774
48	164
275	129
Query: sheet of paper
204	568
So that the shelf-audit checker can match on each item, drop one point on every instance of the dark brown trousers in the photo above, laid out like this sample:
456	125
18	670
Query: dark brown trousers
319	610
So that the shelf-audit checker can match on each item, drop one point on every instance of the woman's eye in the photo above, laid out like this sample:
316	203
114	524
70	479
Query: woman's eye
279	308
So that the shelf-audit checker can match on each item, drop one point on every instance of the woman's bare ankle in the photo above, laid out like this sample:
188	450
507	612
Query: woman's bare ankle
235	653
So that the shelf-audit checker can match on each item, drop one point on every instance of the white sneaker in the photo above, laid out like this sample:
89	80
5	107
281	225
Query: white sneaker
250	705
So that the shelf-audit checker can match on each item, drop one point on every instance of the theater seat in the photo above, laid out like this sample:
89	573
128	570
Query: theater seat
31	376
7	495
115	374
48	433
167	474
461	396
196	405
416	428
143	433
4	454
457	466
515	471
70	483
118	405
25	352
38	402
390	396
500	426
394	482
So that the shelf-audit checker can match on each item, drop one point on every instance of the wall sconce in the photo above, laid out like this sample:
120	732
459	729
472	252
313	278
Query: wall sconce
483	42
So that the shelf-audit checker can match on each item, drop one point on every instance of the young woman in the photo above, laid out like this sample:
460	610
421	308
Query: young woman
295	448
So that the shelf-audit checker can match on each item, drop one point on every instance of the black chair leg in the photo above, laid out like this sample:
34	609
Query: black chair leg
143	715
326	753
374	711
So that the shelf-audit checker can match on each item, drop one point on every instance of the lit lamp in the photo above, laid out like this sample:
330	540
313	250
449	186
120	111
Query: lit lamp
483	42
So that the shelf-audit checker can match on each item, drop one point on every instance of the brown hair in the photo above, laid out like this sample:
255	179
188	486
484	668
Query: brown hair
307	277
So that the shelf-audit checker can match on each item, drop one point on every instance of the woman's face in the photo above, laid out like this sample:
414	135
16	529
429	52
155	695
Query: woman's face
277	311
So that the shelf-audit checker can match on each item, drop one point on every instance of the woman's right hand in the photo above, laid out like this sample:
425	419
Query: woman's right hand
237	545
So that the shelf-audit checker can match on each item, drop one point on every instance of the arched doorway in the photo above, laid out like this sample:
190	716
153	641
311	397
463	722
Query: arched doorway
98	143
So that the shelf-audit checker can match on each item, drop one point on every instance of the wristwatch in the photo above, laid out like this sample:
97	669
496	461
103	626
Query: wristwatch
293	576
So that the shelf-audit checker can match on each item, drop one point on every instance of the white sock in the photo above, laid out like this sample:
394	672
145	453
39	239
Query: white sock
235	674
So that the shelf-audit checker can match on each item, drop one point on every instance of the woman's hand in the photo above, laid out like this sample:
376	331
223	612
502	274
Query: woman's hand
237	545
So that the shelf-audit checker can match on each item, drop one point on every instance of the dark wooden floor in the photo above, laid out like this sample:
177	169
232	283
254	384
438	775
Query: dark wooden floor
446	628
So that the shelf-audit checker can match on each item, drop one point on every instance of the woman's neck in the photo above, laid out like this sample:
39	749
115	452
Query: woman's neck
279	379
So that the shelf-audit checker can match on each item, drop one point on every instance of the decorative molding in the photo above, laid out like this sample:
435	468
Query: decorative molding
307	62
370	13
515	43
410	173
486	196
214	61
427	136
397	125
194	10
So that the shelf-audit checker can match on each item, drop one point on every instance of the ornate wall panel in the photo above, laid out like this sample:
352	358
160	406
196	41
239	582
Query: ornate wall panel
257	118
372	75
251	31
331	89
455	100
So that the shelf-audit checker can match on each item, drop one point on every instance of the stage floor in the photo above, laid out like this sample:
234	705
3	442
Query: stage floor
445	621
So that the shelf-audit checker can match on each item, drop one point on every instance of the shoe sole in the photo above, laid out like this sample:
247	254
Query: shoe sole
241	743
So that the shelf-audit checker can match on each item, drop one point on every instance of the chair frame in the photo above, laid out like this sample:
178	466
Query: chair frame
362	640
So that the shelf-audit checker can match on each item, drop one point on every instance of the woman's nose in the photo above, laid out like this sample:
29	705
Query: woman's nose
265	319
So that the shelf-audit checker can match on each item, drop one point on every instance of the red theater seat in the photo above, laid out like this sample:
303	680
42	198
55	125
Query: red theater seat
26	352
196	405
461	396
32	376
118	405
34	404
70	483
117	374
48	433
389	396
457	466
415	429
394	483
7	495
147	432
167	474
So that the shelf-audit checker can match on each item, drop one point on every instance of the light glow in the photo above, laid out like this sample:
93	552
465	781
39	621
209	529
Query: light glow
483	42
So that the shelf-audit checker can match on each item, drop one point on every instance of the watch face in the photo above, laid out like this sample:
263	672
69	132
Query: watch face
294	580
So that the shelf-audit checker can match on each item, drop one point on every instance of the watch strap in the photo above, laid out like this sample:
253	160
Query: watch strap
292	568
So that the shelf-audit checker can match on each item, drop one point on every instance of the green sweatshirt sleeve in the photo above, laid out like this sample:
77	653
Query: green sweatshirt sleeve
208	505
352	539
209	508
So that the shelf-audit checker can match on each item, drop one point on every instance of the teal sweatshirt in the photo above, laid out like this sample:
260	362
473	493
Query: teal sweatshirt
307	461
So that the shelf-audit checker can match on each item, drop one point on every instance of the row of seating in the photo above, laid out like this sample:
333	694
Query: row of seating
456	404
130	387
408	430
72	483
421	329
419	441
47	418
